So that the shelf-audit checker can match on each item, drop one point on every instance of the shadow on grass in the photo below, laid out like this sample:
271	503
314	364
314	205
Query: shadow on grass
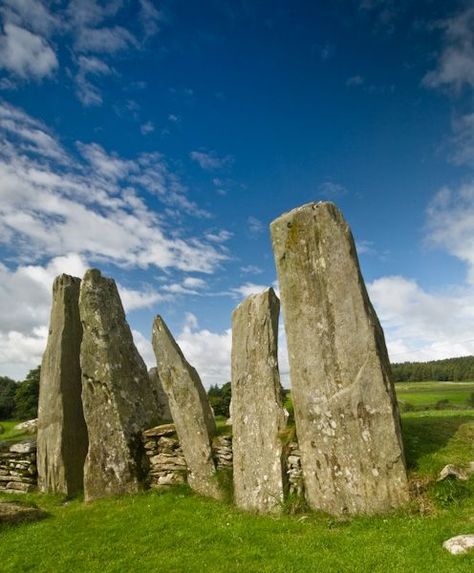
423	436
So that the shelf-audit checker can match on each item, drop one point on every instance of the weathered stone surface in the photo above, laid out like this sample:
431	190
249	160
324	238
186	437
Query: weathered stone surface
459	544
116	392
62	432
192	415
257	413
162	403
23	447
30	426
345	410
17	513
452	471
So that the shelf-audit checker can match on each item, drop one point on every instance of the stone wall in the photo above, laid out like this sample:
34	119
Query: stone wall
168	466
18	467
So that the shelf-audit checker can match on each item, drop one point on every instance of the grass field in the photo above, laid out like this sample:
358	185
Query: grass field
179	532
423	395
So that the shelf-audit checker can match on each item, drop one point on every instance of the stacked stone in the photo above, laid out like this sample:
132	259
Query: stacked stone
294	470
222	452
18	468
167	463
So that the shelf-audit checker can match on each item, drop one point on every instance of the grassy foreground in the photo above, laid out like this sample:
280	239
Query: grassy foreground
178	532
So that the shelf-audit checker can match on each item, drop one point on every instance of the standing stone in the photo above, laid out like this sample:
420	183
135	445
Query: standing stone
62	432
116	392
258	416
346	414
192	414
161	399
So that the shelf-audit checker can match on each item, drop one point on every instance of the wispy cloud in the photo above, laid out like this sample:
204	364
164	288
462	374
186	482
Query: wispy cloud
255	226
209	160
331	190
90	68
25	54
455	66
354	81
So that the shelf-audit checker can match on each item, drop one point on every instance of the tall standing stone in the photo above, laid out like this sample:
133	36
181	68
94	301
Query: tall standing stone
345	409
192	414
162	403
116	392
258	416
62	432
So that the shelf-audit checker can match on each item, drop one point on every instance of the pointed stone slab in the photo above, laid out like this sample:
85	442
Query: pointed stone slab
116	392
62	432
161	399
345	409
192	414
258	416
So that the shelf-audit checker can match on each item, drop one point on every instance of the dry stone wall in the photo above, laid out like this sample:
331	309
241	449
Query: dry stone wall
18	467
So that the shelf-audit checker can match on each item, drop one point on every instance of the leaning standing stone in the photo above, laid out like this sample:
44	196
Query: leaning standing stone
116	392
190	409
346	414
62	432
161	399
258	416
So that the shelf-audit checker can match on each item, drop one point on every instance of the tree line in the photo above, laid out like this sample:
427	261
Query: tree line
448	370
19	400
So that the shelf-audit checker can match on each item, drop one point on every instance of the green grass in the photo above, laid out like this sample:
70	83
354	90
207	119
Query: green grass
178	532
10	434
423	395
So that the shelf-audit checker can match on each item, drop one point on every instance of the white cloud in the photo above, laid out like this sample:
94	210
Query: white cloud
220	237
463	140
194	282
147	127
247	289
210	161
208	352
104	40
150	18
331	190
19	353
420	325
144	348
50	212
255	226
90	67
134	299
26	54
30	13
450	224
251	269
455	67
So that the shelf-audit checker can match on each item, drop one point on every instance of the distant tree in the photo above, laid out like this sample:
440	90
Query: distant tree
26	397
449	369
8	389
219	398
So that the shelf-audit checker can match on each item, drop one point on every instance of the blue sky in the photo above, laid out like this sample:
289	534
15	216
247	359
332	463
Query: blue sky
157	140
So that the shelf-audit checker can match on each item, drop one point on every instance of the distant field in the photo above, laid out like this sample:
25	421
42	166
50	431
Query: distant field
9	434
428	394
